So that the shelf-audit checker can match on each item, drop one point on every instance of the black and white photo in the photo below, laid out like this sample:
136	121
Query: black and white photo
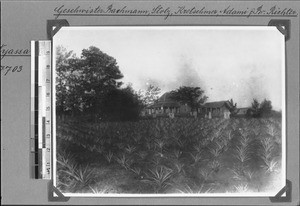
169	111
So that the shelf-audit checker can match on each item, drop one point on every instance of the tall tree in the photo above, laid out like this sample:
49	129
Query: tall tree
122	105
192	96
150	95
262	109
100	75
82	83
233	108
255	108
265	107
64	80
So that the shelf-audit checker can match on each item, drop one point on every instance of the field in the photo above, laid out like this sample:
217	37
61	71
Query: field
180	155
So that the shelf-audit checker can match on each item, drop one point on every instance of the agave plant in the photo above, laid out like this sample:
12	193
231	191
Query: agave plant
148	145
238	173
130	149
196	157
65	159
142	154
242	154
81	176
160	143
249	174
120	145
179	166
215	165
205	173
198	147
216	151
137	139
267	149
181	143
101	141
159	177
272	131
109	156
242	188
123	161
195	190
97	190
136	170
177	153
99	149
91	148
271	166
156	159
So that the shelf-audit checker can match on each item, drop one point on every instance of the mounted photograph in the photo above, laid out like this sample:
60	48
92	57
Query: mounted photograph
169	111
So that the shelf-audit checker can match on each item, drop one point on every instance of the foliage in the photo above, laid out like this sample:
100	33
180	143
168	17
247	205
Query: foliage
76	177
150	95
263	109
159	177
162	155
82	83
233	108
192	96
255	111
66	82
120	105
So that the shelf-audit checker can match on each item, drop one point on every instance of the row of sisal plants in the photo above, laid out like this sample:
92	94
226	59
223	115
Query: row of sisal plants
159	152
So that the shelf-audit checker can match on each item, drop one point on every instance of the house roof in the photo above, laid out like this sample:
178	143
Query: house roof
244	108
217	104
165	101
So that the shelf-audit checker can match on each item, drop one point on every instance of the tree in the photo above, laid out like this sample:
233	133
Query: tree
255	111
84	82
266	108
192	96
122	105
262	109
100	74
150	95
233	108
65	98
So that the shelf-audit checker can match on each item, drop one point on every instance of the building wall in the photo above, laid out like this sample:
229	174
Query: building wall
184	109
215	112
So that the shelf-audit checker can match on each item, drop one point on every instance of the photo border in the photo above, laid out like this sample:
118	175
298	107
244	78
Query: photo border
283	195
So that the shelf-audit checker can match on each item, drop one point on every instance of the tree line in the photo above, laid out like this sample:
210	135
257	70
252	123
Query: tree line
91	87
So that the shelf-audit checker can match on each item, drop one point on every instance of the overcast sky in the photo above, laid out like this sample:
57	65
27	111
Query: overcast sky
241	63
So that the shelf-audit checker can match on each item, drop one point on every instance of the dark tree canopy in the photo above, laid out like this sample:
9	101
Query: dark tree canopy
262	109
99	75
233	108
83	83
122	104
192	96
66	99
266	107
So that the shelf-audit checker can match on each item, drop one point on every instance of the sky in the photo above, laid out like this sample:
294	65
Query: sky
239	63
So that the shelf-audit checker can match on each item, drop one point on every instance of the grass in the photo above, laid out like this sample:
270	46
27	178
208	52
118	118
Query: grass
164	155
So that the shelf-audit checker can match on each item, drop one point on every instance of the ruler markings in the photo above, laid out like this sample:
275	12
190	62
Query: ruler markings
40	142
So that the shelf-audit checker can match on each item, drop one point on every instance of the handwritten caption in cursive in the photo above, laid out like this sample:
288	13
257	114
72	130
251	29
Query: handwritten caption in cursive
9	52
167	12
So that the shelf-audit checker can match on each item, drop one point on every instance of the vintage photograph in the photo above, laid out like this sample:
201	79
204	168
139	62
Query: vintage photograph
169	110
